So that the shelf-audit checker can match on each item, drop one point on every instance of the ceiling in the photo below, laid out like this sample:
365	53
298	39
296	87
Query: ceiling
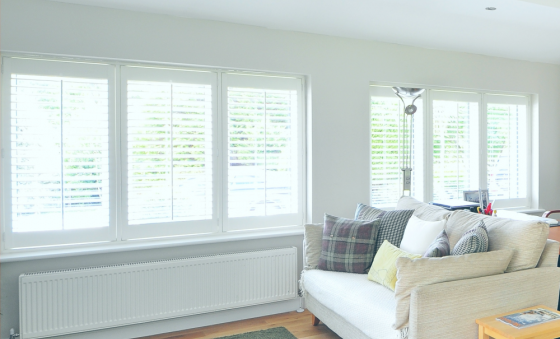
518	29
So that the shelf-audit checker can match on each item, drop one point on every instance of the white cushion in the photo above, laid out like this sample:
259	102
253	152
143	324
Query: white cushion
422	210
419	234
526	238
366	305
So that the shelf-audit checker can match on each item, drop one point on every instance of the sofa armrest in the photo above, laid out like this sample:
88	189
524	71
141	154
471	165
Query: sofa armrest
449	310
549	256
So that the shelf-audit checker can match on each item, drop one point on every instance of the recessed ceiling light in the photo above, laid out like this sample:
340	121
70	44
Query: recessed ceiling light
490	8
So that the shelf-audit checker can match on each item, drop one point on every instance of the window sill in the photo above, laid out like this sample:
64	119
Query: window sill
133	245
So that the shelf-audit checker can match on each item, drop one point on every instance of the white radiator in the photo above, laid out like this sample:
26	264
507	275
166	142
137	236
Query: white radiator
71	301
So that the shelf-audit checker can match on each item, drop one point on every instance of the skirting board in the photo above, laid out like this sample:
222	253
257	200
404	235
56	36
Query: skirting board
185	323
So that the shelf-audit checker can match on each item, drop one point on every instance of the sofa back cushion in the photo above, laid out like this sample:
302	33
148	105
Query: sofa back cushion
313	237
422	210
412	273
525	238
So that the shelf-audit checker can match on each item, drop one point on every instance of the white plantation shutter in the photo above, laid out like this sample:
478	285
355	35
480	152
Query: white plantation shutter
169	122
507	149
455	143
263	141
386	174
59	155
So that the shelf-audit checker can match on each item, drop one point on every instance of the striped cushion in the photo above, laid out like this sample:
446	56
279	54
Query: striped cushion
474	240
391	225
439	247
348	245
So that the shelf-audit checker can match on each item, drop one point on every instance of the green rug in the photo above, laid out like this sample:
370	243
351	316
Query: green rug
272	333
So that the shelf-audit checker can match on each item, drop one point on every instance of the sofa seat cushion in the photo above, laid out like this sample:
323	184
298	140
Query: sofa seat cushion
525	238
368	306
422	210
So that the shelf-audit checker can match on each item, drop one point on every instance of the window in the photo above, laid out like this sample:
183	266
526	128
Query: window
386	127
56	139
263	151
507	157
455	144
169	170
164	158
472	141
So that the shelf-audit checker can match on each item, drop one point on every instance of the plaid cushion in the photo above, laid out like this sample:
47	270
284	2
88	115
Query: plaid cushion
391	224
348	245
474	240
439	247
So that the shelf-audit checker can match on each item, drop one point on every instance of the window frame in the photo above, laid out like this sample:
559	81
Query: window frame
484	97
121	238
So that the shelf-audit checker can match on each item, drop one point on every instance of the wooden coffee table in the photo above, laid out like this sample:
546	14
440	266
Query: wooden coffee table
489	327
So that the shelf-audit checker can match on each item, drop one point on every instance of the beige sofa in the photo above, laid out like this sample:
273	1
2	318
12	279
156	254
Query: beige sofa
356	308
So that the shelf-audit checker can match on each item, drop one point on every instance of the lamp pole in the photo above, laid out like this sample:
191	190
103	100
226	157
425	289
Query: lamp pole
405	140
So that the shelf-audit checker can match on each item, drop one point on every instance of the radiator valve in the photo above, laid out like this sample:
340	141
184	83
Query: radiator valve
13	334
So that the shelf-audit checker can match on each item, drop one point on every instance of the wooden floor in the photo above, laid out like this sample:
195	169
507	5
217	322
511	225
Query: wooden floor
299	324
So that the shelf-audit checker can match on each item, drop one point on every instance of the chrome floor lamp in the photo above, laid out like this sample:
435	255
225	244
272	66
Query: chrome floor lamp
405	137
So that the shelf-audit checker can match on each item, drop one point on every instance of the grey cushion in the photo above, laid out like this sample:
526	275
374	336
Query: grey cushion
526	238
422	210
439	247
391	224
474	240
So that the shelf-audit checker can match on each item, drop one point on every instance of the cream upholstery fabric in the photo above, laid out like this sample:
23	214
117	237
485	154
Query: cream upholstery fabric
426	271
449	310
422	210
549	256
526	238
313	237
363	304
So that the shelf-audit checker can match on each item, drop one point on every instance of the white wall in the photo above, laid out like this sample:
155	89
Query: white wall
339	72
